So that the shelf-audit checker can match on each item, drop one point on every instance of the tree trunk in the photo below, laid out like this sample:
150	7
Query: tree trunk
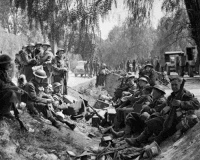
193	10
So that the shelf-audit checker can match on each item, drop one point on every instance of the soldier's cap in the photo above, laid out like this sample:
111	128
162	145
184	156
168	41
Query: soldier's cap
148	65
56	84
60	49
159	88
4	58
38	43
130	76
31	45
143	79
46	44
40	73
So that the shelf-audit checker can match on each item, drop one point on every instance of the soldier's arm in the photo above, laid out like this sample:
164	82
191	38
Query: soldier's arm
32	94
161	103
191	102
25	58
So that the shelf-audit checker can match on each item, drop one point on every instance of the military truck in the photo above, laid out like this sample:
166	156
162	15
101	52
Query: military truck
182	63
172	62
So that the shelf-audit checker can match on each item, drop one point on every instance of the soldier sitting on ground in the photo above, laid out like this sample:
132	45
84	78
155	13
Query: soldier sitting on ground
184	118
36	104
151	73
143	100
152	106
8	91
73	109
132	98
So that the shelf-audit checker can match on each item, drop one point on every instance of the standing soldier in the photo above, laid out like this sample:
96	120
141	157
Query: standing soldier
134	66
86	67
127	66
46	60
37	51
60	70
28	61
151	73
91	67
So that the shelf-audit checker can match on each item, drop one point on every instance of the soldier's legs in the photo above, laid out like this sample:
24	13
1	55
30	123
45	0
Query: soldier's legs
42	108
134	121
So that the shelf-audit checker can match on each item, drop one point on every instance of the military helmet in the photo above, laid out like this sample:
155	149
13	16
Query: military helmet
4	58
159	88
148	65
56	84
31	45
46	44
143	79
60	49
38	43
40	73
103	65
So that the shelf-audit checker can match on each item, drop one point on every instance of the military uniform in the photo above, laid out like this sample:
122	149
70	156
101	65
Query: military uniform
8	96
155	125
35	102
28	62
46	60
152	107
60	72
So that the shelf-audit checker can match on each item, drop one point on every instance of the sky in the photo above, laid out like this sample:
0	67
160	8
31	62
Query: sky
117	16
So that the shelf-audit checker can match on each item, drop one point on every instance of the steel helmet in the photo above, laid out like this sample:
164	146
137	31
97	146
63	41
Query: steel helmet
31	45
46	44
143	79
56	84
40	74
4	58
159	88
148	65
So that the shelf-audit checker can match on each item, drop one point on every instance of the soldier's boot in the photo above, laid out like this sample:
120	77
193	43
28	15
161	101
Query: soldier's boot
54	123
117	134
136	142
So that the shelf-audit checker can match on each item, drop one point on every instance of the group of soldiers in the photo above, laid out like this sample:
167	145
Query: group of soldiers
42	85
39	55
92	68
144	114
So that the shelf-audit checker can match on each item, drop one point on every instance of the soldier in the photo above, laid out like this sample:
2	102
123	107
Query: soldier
35	103
102	75
151	106
127	66
134	66
28	61
91	67
8	90
151	73
60	70
128	103
38	50
46	60
184	118
86	67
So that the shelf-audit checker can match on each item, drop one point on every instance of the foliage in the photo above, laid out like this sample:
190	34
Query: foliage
127	43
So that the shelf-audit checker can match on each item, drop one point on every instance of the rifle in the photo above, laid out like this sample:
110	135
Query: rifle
172	114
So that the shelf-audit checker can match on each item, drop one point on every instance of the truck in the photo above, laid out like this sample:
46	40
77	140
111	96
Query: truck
182	62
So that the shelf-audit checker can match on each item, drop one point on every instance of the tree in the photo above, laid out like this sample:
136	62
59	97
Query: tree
75	19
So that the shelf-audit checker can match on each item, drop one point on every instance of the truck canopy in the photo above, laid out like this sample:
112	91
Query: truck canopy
174	52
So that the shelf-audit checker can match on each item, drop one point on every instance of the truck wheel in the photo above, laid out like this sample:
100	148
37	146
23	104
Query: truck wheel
181	71
75	75
81	75
168	70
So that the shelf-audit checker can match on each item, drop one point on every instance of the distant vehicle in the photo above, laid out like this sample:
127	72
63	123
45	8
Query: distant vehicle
171	61
79	69
181	62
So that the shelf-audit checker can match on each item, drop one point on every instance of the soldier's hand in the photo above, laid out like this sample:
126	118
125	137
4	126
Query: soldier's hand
176	103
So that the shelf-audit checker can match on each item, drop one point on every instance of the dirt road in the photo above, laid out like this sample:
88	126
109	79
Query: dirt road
74	81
